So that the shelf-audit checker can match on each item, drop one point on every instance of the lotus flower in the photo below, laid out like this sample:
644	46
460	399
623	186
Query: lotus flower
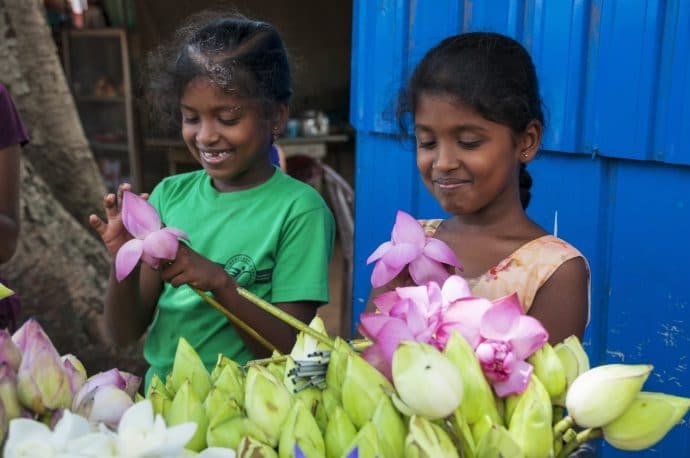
9	353
151	243
140	434
103	398
507	337
427	257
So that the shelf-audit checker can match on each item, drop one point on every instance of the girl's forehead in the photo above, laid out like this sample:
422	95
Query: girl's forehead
202	91
442	105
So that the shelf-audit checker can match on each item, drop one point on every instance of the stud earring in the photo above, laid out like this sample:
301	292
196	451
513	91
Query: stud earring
524	155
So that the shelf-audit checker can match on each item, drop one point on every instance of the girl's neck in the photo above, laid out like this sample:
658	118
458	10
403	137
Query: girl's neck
503	216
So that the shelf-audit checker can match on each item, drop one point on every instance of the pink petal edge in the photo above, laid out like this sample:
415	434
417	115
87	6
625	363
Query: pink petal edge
138	216
517	381
127	258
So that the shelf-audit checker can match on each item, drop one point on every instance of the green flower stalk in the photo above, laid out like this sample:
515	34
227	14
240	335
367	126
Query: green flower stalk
188	366
427	440
477	397
187	407
252	448
549	370
267	402
426	381
390	429
602	394
340	432
531	423
362	388
646	421
300	428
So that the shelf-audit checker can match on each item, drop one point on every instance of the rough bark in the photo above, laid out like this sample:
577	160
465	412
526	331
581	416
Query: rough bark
31	70
60	272
60	268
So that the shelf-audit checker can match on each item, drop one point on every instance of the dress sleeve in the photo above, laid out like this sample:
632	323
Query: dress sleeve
301	265
12	130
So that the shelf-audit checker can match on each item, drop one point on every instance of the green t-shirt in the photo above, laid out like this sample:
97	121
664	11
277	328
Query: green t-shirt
275	239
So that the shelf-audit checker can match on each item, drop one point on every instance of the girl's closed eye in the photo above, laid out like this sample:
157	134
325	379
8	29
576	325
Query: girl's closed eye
426	144
470	143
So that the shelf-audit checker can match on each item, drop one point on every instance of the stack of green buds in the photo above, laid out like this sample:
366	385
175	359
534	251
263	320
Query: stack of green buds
325	400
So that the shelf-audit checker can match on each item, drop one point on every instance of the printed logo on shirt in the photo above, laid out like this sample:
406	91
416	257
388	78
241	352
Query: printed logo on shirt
243	269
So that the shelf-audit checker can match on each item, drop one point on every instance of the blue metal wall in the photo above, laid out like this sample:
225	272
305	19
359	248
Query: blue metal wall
615	78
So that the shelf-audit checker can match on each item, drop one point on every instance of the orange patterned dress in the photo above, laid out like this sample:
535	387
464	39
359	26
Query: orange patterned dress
524	271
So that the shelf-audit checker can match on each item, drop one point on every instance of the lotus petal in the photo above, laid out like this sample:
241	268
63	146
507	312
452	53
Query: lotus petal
139	217
127	258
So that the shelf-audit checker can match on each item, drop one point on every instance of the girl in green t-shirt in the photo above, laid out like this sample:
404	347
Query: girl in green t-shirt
227	82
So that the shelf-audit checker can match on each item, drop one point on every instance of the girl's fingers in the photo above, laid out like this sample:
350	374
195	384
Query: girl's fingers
110	206
97	224
120	190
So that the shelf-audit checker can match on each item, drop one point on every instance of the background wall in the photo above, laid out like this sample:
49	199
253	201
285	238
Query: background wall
615	78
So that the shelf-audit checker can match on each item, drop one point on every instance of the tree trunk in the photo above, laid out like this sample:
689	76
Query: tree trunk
32	72
60	272
60	268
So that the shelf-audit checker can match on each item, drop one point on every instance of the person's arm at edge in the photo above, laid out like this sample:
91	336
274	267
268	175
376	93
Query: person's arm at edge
9	201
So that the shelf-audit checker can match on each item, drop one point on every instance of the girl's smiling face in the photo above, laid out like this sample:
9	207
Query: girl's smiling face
468	163
229	136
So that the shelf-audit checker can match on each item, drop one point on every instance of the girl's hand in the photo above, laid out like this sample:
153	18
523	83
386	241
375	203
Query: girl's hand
113	232
189	267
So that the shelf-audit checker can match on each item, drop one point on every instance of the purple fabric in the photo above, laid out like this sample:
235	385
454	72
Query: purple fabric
275	157
9	311
12	130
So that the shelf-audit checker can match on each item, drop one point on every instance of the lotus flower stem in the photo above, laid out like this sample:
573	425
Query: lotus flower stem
561	427
236	321
284	316
267	361
581	437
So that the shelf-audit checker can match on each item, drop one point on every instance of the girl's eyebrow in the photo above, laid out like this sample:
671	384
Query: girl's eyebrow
218	108
459	128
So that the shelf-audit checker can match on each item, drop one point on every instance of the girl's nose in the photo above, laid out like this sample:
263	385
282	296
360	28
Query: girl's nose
207	134
446	159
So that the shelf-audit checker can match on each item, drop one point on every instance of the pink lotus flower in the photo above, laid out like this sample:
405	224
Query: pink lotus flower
508	337
151	243
104	398
408	313
427	257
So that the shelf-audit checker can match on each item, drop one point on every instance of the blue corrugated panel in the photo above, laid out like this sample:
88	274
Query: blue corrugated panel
615	78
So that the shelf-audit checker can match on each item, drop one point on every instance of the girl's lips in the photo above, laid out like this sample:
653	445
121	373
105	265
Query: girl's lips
450	184
214	157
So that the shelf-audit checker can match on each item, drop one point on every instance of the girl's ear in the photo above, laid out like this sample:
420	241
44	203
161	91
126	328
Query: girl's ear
531	140
279	118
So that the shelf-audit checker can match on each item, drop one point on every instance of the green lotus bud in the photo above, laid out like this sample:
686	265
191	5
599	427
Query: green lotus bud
574	361
187	407
306	345
188	366
223	362
531	424
477	396
390	429
9	399
9	353
276	368
366	441
300	428
220	407
325	408
361	389
646	421
603	393
337	366
427	440
159	396
340	432
549	369
463	432
252	448
5	292
416	365
498	443
230	432
509	403
231	382
267	402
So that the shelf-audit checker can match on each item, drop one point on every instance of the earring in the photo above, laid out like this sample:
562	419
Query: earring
524	155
